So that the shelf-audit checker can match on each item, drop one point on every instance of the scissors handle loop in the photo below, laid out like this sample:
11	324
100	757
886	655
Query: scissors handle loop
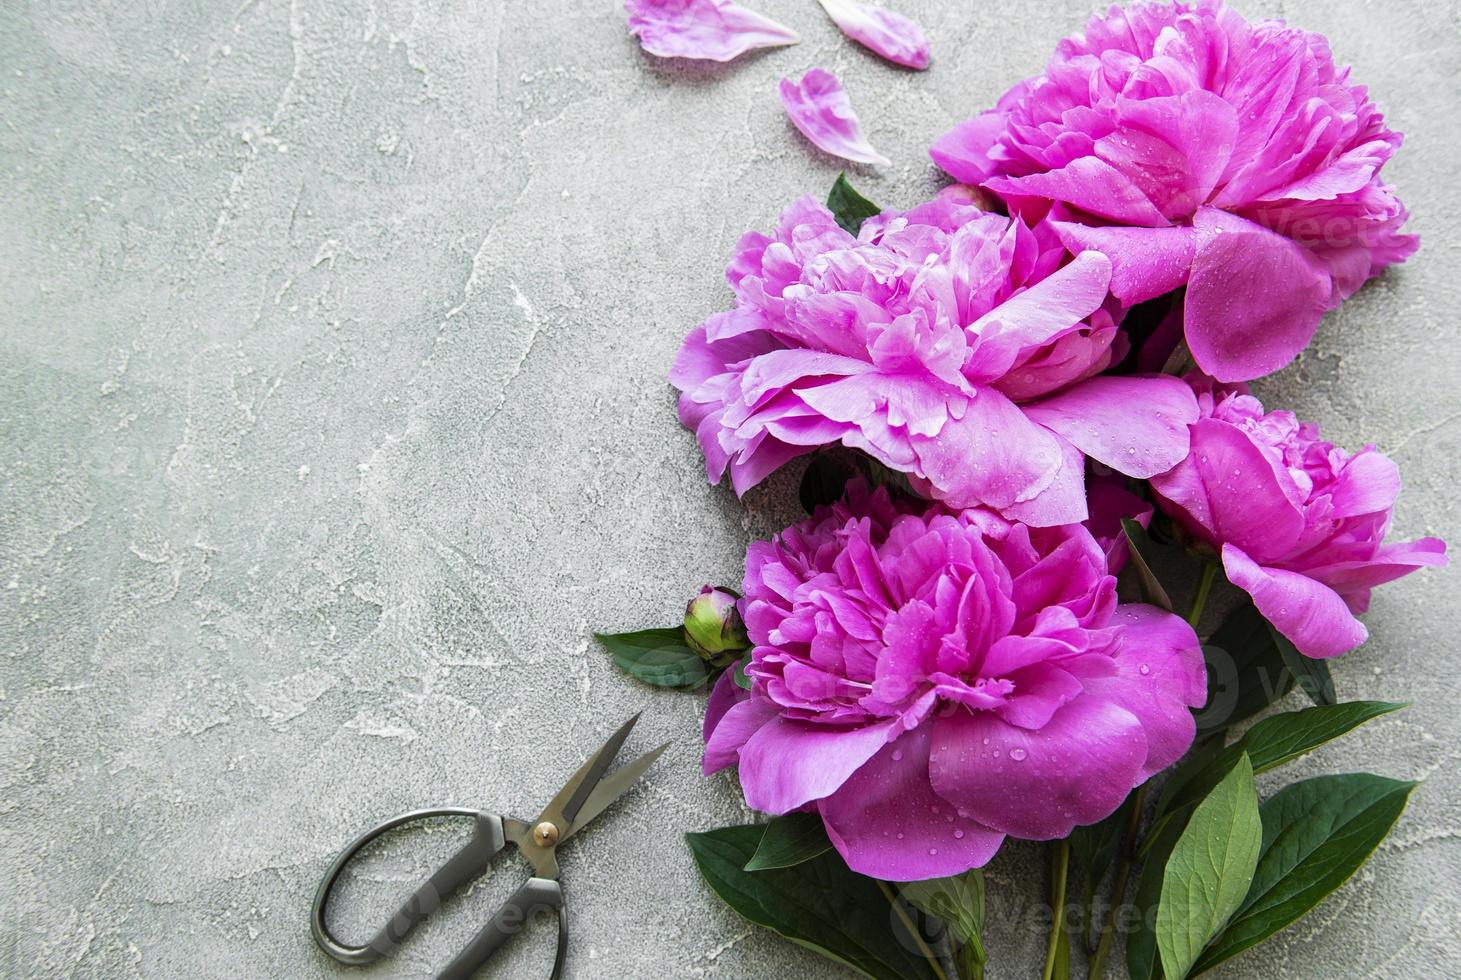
466	864
533	896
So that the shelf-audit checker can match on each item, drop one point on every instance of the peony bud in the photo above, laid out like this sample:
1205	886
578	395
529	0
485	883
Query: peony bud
713	627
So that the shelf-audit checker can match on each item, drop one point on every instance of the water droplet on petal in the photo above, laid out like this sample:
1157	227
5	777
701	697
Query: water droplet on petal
897	755
1145	669
958	835
933	850
1017	754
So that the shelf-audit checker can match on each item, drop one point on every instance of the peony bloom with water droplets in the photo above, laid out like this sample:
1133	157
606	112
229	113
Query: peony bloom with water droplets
931	681
1195	148
1300	524
957	346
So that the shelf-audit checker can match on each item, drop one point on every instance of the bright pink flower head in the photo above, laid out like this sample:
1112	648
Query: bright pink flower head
956	346
930	682
1195	148
1300	523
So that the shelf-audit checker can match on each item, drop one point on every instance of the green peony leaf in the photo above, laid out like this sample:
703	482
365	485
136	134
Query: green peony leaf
1312	675
657	657
849	207
1094	846
1316	834
1269	744
1245	671
789	841
739	673
957	901
1209	871
819	904
1151	589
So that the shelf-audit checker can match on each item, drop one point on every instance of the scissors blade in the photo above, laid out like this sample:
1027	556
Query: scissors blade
612	788
565	806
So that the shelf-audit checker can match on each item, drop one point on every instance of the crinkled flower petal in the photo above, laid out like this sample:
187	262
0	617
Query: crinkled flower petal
887	821
709	30
790	763
818	105
1041	784
1254	298
1136	425
884	32
1312	615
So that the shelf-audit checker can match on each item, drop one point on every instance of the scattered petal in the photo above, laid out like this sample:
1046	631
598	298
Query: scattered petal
708	30
889	34
818	105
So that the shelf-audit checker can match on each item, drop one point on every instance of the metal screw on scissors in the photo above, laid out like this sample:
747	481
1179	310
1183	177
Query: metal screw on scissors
581	799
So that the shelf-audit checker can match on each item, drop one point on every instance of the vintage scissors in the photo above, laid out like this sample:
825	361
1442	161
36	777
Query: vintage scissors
580	800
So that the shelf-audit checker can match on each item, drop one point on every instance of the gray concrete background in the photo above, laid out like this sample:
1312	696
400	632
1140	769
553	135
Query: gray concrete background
333	417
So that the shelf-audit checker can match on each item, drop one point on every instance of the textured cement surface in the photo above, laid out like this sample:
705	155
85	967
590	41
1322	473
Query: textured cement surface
333	417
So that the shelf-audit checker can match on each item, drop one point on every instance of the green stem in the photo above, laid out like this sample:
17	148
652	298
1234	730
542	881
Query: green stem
1057	895
1087	914
1118	890
1204	588
933	962
971	962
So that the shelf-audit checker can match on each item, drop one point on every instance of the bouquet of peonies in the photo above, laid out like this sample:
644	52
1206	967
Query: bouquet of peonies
1012	393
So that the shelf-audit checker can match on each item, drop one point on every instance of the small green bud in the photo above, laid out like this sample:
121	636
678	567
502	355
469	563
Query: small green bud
713	626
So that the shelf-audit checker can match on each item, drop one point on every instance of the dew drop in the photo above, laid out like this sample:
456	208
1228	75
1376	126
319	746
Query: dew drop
1145	669
1017	754
900	835
897	755
933	850
958	835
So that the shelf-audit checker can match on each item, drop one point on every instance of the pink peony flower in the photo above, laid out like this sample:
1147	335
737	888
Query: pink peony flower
1195	148
1300	524
948	343
932	681
707	30
818	105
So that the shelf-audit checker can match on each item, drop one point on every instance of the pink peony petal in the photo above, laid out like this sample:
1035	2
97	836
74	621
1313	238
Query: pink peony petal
1368	484
1063	501
1391	562
1088	184
1137	425
726	694
790	763
709	30
961	152
818	105
932	838
1159	677
1228	489
1313	616
1254	300
1039	785
1041	314
732	730
993	455
1145	262
889	34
